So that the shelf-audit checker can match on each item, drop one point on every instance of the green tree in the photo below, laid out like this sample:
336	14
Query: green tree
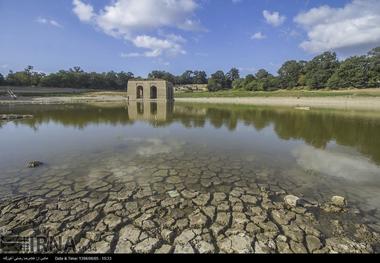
2	80
352	73
262	74
289	74
238	83
200	77
157	74
217	81
374	68
232	75
186	78
320	69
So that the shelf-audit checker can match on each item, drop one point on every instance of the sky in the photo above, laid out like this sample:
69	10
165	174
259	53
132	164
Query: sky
178	35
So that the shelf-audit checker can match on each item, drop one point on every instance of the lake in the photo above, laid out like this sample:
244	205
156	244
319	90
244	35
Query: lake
113	159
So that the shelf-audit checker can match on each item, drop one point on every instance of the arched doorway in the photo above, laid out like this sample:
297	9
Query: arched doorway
153	92
140	92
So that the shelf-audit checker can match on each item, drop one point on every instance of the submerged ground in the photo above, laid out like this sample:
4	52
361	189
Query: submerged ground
191	178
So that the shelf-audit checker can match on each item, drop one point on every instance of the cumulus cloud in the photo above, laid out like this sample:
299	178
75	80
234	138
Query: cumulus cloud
85	12
135	20
258	36
352	27
51	22
273	18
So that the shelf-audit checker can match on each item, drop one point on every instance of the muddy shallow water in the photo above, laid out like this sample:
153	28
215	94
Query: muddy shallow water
148	177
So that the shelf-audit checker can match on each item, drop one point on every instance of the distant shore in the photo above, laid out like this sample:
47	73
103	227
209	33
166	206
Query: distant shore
339	100
365	103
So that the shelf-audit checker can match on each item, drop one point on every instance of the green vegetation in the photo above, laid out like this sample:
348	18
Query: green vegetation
282	93
323	71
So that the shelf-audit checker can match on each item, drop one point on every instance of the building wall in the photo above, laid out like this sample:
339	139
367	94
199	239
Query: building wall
164	90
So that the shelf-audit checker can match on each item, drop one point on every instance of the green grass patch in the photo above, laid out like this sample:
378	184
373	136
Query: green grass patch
281	93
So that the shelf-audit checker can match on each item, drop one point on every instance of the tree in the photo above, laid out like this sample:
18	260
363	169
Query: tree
262	74
200	77
353	72
2	80
231	75
374	67
186	78
289	74
238	83
217	81
320	69
157	74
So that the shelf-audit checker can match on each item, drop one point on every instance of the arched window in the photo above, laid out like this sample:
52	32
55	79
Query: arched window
140	92
153	92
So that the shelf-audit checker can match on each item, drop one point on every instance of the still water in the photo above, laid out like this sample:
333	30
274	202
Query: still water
314	154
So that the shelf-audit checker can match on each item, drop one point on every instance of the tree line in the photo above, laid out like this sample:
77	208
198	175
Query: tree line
323	71
77	78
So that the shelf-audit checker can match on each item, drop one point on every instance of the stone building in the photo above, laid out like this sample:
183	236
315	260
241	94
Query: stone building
150	90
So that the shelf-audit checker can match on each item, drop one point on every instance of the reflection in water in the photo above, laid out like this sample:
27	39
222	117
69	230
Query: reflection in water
153	146
316	128
289	148
336	164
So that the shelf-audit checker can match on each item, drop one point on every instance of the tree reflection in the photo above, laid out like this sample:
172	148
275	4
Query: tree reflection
316	127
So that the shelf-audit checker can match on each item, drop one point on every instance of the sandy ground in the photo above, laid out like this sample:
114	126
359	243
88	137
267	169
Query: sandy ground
64	100
367	103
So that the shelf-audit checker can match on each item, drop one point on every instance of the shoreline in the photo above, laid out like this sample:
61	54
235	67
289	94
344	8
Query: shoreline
354	103
362	103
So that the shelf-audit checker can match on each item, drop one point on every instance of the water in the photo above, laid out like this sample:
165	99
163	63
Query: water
313	154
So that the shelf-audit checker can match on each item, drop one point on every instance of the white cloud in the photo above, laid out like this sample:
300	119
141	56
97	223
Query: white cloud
236	1
46	21
258	36
135	20
352	27
273	18
157	46
85	12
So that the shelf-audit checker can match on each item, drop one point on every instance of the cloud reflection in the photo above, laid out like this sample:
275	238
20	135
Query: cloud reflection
337	164
153	146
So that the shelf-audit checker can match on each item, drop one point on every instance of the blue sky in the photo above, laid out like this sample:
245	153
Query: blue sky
176	35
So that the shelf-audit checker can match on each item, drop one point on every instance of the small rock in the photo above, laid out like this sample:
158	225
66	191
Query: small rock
185	237
236	244
202	199
173	194
197	220
184	249
165	249
291	200
205	247
147	245
34	164
313	243
339	201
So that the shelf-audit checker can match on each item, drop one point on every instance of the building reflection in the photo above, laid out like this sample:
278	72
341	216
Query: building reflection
161	111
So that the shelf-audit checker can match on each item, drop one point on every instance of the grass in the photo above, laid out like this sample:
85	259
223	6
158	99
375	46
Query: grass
282	93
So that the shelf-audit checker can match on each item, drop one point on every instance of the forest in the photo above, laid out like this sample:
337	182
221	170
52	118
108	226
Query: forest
321	72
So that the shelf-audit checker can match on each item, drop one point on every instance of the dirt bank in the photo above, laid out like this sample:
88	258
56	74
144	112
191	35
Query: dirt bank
367	103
